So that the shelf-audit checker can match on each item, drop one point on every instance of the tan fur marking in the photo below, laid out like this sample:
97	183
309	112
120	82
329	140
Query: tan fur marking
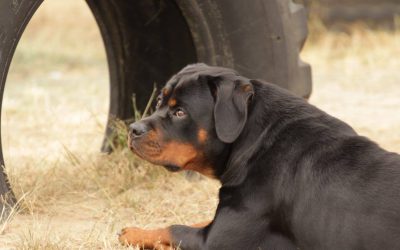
165	91
187	157
172	102
183	155
159	239
246	87
178	153
202	136
153	239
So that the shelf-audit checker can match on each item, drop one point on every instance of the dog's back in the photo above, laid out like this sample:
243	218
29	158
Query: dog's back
354	202
341	190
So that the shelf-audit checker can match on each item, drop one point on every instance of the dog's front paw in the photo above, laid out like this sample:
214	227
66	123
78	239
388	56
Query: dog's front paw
130	236
145	239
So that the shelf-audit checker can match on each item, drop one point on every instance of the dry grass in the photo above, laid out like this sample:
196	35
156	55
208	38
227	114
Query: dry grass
356	79
82	202
55	109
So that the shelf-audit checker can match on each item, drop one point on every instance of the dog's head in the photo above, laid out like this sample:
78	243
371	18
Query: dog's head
200	112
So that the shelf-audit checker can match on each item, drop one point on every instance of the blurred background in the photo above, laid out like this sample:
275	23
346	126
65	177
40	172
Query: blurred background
55	110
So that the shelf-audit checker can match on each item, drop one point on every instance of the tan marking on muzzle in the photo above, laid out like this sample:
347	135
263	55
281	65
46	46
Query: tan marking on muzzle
143	148
177	153
180	154
185	156
202	169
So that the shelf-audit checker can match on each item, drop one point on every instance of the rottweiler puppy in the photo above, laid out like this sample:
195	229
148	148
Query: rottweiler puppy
292	176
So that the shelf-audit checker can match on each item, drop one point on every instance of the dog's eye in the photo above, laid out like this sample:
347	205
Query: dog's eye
179	113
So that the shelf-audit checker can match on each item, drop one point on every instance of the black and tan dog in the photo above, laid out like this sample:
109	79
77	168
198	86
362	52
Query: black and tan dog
292	176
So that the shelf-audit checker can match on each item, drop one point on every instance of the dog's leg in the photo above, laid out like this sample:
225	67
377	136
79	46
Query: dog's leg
146	239
230	232
159	239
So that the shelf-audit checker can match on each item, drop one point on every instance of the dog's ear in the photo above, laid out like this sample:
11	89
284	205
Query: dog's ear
231	106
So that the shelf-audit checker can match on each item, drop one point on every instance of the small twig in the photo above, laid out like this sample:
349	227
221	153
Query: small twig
153	94
136	112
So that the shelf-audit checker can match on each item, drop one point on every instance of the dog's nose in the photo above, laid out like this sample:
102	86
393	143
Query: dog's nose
137	129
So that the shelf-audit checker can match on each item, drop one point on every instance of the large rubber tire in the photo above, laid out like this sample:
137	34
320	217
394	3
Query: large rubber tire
148	41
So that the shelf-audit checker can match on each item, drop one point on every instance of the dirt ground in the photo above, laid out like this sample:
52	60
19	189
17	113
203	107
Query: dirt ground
55	109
